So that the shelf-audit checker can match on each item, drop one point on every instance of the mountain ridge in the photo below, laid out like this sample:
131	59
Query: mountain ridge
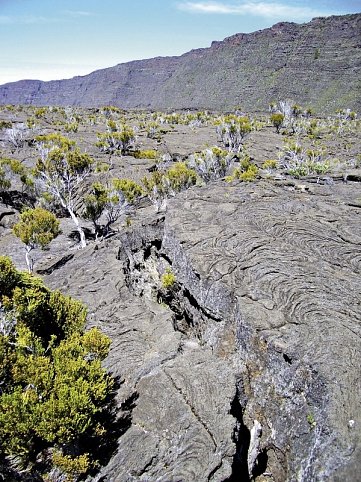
315	63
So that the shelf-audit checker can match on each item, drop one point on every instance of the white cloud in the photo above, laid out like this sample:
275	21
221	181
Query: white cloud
34	19
78	13
262	9
31	19
25	20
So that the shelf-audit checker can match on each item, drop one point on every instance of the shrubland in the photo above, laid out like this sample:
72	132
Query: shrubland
99	166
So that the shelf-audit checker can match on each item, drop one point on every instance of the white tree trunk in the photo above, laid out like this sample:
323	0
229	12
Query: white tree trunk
29	261
78	227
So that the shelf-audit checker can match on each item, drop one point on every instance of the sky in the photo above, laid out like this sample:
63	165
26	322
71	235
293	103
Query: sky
57	39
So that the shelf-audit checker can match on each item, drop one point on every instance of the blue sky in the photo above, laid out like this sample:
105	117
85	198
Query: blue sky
51	39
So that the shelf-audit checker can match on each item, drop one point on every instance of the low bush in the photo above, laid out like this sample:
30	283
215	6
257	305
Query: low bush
168	279
210	164
54	391
146	154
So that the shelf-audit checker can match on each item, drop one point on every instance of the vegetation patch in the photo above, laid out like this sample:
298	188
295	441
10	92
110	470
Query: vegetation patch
54	393
146	154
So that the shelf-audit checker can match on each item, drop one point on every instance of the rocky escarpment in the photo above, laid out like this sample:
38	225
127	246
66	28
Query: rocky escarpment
249	364
317	64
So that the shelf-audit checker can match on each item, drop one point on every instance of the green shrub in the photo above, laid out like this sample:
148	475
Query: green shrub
31	122
72	467
10	168
277	120
5	124
311	420
71	127
168	279
129	188
109	110
53	384
9	276
146	154
313	129
40	112
246	173
270	164
43	311
180	176
5	182
156	187
55	141
37	227
249	174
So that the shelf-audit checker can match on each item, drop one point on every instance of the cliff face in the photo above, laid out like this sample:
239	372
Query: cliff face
317	64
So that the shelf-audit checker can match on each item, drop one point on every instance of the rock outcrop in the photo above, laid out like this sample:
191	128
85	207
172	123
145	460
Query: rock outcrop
316	64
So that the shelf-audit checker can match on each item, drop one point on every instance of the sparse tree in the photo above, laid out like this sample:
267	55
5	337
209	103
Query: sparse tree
296	110
5	182
233	130
36	229
11	169
16	135
110	202
165	183
95	204
60	171
116	139
299	162
285	106
157	189
272	107
153	130
277	119
290	112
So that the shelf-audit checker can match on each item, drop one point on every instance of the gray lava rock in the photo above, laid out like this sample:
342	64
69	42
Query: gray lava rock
262	324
